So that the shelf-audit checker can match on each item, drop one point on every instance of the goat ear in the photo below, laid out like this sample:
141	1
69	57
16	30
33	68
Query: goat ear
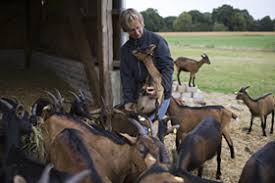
149	160
46	111
19	179
20	111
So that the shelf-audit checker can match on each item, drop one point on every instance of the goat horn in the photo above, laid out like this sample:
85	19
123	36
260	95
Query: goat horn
81	94
46	174
53	97
96	111
6	104
244	88
75	95
15	99
34	109
60	98
79	176
118	111
140	128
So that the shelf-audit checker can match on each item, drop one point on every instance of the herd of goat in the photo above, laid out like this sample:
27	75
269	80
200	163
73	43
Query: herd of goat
113	145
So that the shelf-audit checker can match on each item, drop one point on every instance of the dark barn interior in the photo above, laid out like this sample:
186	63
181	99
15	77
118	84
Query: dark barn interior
68	45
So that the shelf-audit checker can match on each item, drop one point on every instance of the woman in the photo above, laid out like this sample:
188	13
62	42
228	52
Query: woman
133	72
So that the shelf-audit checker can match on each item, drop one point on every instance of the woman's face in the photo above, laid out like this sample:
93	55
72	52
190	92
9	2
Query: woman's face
135	29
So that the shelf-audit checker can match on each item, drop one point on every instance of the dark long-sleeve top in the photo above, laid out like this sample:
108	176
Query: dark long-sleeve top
133	72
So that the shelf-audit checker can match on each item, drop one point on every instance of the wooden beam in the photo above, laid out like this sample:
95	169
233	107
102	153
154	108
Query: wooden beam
33	18
82	44
105	48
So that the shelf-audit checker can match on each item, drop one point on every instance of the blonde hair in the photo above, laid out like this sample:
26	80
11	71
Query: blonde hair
127	16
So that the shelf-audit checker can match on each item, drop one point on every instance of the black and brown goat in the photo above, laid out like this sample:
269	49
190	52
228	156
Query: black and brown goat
18	163
79	106
190	65
70	152
147	104
260	167
15	123
189	117
127	158
164	173
260	107
200	145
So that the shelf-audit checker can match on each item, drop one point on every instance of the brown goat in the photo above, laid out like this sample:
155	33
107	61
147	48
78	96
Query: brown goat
146	104
190	65
260	167
127	156
164	173
189	117
200	145
260	107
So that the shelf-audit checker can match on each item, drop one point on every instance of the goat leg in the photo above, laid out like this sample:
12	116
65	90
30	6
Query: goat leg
178	75
194	80
229	142
251	123
219	150
190	78
263	125
272	122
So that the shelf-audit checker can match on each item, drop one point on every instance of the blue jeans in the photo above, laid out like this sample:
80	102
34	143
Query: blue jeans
162	110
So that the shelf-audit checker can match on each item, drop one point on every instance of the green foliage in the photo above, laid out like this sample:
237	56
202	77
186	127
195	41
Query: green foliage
224	18
183	22
152	20
265	24
168	24
219	27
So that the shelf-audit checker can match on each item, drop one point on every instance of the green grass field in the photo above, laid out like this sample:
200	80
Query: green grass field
237	59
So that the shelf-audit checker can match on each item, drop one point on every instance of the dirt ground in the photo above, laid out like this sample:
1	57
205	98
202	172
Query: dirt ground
245	144
28	85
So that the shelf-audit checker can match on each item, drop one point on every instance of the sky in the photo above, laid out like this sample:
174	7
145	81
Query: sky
257	8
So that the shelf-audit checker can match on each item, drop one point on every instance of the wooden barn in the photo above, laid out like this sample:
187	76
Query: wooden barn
78	40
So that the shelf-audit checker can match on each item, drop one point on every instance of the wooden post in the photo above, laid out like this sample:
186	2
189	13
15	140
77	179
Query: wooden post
105	48
105	54
82	44
117	7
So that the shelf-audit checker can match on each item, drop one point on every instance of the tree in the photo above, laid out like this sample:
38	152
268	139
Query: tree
265	24
183	22
168	23
238	22
219	27
222	15
152	20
